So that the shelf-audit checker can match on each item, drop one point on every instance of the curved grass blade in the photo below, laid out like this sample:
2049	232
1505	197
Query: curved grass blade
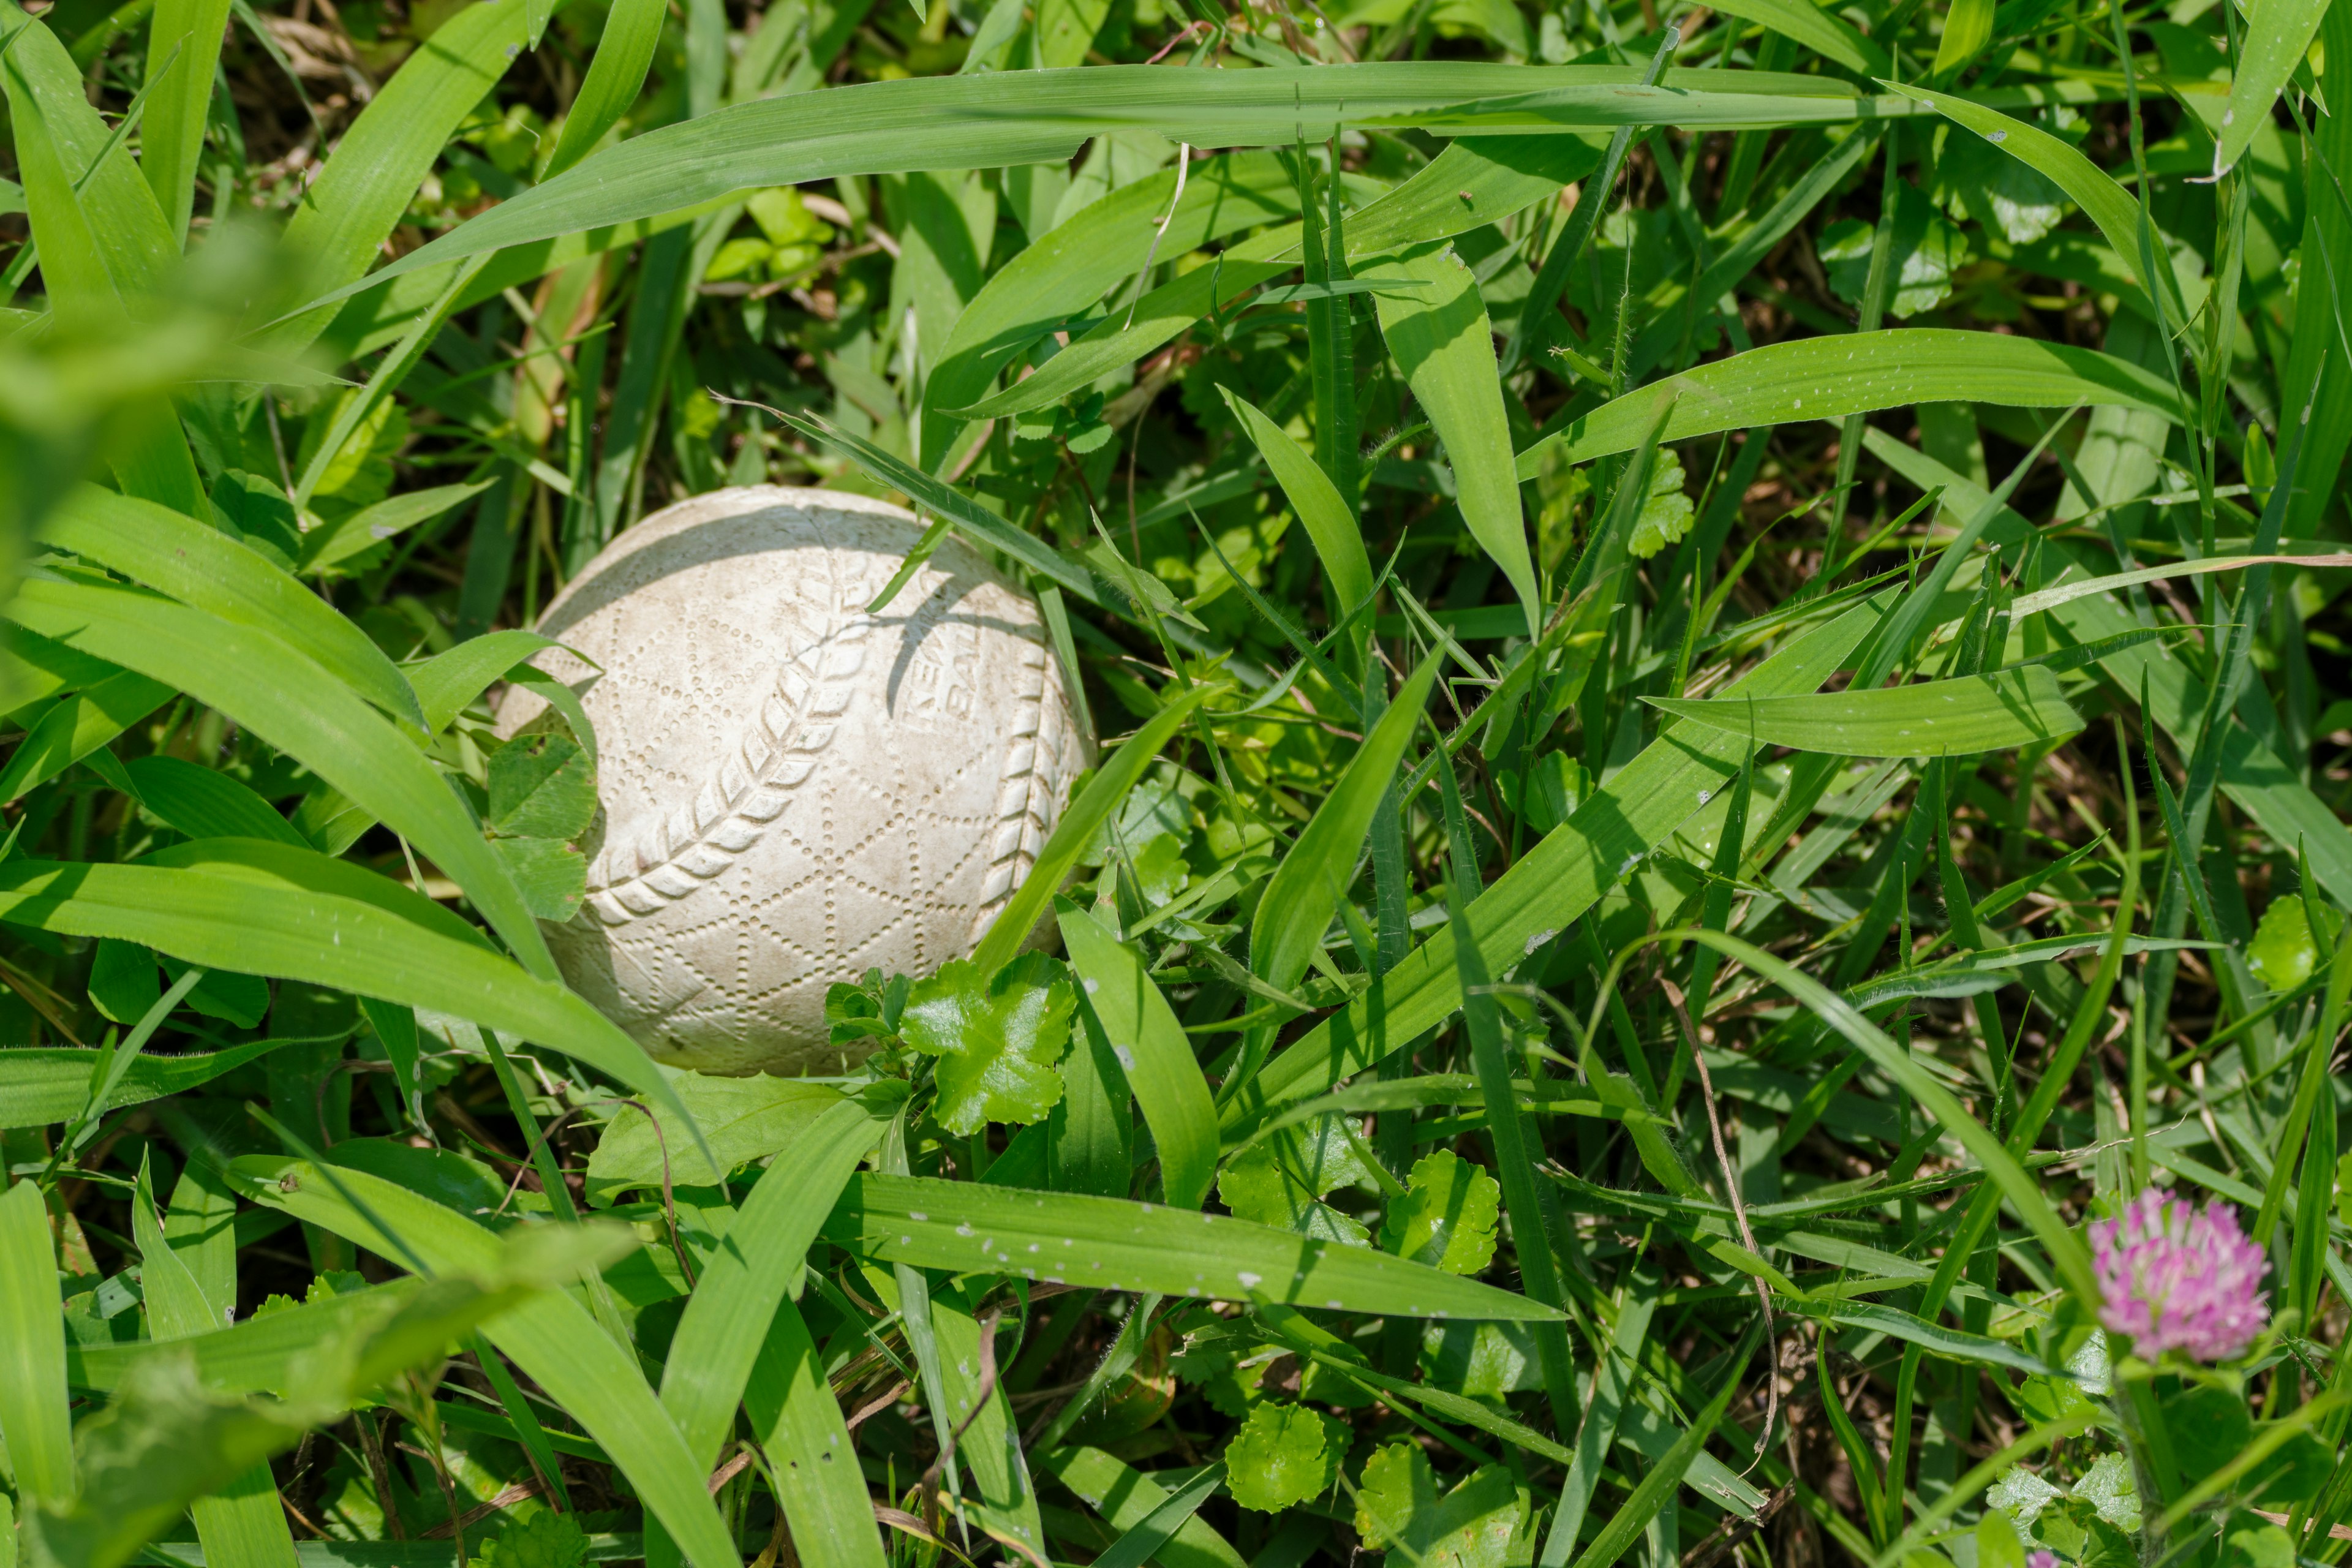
1076	830
1042	116
1441	340
1305	888
1956	717
34	1420
255	908
727	1316
1154	1051
615	75
1860	372
1329	521
289	702
204	568
2278	34
364	187
550	1335
77	726
1109	1244
2115	210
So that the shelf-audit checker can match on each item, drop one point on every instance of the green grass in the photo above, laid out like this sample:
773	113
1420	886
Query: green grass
1718	640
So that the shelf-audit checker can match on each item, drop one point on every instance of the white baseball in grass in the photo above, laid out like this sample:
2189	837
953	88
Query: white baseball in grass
793	791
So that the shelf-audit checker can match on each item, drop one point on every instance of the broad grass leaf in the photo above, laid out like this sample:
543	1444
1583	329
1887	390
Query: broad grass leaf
447	683
44	1086
551	1337
330	546
997	1038
745	1119
1445	1216
204	569
1330	519
1860	372
1955	718
77	725
383	157
251	907
1030	117
616	75
1399	1505
1114	1245
1444	345
2279	34
1283	1456
1305	888
33	1417
1153	1050
745	1281
2103	201
295	705
799	1423
205	802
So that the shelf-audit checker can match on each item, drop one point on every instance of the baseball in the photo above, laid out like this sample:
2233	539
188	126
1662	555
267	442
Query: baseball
792	791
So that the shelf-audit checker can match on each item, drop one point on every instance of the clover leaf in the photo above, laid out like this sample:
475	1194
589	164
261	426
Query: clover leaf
997	1039
1277	1181
1666	511
1397	1505
1284	1455
541	791
546	1539
1445	1216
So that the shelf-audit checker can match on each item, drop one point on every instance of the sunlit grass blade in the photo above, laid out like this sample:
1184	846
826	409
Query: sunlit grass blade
202	567
1830	377
1551	885
291	701
33	1417
188	33
1305	890
1442	343
741	1287
811	1461
250	907
1080	821
1933	719
77	726
1109	1244
551	1337
1155	1053
384	155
